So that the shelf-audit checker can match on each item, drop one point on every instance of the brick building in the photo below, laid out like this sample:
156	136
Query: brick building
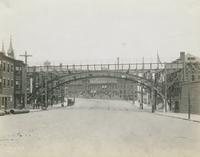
19	86
103	88
10	78
191	85
186	86
6	81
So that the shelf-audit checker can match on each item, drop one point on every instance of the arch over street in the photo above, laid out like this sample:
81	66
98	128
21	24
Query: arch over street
45	79
68	78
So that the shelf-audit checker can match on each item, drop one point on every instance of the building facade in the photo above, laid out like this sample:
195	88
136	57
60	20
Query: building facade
11	79
186	88
104	88
6	82
19	85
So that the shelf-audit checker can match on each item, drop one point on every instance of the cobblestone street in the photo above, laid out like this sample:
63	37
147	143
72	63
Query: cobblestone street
97	128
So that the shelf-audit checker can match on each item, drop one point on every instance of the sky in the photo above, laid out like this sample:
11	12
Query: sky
72	31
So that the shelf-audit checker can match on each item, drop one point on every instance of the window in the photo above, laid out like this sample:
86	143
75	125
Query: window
11	68
6	102
0	82
11	83
193	77
4	66
17	68
17	82
8	68
4	82
191	58
8	83
3	101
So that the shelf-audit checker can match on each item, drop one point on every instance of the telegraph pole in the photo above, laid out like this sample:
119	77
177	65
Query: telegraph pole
25	55
165	80
142	87
187	82
189	102
189	95
118	63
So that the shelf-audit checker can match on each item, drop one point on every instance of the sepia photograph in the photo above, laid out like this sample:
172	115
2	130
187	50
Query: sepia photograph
99	78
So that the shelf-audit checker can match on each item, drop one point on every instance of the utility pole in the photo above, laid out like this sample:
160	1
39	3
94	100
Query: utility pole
25	55
189	102
187	82
152	99
141	97
165	80
142	87
46	92
118	63
189	96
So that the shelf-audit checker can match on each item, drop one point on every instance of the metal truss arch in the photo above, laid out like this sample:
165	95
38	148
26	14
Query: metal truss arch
68	78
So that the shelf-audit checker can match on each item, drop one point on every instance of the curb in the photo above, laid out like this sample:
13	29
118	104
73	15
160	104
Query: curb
192	120
2	113
48	109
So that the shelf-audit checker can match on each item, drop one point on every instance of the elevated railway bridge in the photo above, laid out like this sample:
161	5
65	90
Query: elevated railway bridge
44	80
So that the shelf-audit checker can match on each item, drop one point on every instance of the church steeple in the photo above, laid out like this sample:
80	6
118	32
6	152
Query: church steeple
10	49
2	49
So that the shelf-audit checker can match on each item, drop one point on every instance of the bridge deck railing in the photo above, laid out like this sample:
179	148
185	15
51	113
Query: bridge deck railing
112	67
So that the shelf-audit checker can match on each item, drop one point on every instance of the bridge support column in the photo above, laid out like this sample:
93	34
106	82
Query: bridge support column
52	97
165	98
170	102
165	104
155	100
62	95
117	63
152	100
141	97
46	94
165	89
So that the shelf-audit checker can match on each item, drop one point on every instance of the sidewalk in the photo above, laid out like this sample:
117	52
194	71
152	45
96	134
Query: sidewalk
184	116
56	106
